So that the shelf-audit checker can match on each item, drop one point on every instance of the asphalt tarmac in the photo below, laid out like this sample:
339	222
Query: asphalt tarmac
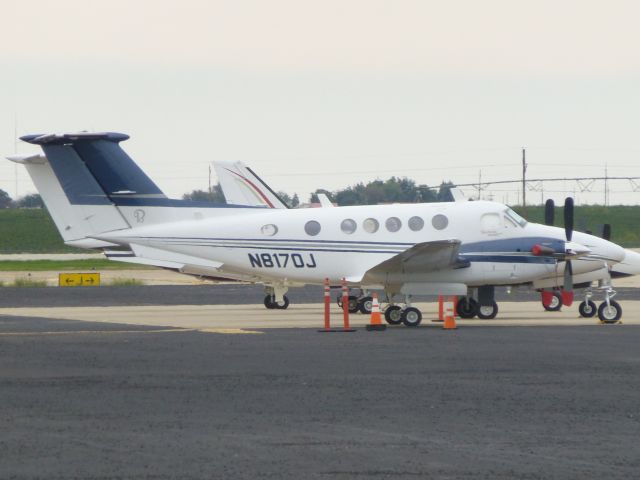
213	294
107	400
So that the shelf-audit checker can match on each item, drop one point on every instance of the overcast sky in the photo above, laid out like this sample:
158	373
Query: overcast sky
324	94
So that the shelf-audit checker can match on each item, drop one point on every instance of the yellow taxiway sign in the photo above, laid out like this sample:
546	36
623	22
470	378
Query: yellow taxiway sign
78	279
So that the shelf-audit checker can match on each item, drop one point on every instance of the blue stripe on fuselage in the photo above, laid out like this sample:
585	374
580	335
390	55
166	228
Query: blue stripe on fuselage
515	245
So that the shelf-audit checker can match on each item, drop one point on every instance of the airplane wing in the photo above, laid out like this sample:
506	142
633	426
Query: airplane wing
421	258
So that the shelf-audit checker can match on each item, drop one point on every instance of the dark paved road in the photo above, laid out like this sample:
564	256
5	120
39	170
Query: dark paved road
115	401
225	294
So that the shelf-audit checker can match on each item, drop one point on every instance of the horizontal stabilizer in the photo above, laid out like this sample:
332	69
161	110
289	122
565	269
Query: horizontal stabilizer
158	257
28	159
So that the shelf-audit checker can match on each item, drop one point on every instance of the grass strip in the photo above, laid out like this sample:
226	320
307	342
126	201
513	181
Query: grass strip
88	264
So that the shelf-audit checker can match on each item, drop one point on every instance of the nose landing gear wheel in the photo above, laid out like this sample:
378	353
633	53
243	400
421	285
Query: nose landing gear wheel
393	315
610	313
555	304
487	312
467	307
411	317
587	309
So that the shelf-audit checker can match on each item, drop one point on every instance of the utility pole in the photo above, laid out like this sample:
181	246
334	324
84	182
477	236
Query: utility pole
606	186
209	179
524	181
15	150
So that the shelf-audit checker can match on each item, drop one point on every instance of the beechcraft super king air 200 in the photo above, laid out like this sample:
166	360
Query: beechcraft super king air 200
242	186
100	199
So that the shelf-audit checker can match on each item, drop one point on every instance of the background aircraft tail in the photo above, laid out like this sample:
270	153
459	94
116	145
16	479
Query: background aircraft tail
241	186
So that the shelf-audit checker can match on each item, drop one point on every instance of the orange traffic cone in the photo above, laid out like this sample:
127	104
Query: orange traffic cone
449	323
450	319
375	324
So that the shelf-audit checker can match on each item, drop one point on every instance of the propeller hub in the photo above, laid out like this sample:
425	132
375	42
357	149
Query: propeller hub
539	250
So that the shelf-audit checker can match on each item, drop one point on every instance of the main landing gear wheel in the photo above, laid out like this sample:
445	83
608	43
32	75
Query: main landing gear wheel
610	313
467	307
270	302
411	317
353	303
587	309
555	304
487	312
365	305
393	315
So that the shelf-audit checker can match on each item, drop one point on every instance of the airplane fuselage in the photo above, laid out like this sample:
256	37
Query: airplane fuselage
308	245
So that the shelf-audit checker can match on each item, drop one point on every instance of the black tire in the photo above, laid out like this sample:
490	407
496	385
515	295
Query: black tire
269	302
587	309
487	312
365	305
411	317
556	303
393	315
354	306
467	307
284	305
610	313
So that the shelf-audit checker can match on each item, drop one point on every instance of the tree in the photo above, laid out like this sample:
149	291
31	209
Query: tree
290	201
215	196
5	200
444	192
32	200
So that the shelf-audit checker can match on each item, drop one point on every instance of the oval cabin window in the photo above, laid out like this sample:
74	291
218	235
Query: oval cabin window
312	228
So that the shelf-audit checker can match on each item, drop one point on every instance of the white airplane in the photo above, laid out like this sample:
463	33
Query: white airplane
99	198
234	177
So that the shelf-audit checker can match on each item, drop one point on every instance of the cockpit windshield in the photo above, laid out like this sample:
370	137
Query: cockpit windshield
515	217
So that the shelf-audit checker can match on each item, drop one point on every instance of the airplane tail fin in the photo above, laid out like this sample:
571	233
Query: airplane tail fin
80	178
241	186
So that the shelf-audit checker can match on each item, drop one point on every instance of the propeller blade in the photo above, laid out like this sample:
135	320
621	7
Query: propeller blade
549	212
606	231
567	291
568	218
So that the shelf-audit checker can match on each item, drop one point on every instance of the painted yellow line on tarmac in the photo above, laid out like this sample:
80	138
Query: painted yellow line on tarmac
89	332
230	331
223	331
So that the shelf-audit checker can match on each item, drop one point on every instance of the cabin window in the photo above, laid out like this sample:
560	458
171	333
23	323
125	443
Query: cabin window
370	225
439	222
312	228
416	224
515	217
509	222
393	224
269	230
348	225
